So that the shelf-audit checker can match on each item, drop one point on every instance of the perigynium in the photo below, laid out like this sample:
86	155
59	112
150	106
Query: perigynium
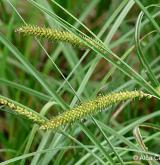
91	107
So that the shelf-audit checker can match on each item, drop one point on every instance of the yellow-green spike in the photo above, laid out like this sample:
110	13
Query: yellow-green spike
91	107
56	35
21	110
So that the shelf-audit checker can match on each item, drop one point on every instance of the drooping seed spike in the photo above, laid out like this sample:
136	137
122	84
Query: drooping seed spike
22	110
91	107
57	35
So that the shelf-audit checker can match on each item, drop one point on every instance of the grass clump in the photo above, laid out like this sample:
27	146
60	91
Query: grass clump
120	52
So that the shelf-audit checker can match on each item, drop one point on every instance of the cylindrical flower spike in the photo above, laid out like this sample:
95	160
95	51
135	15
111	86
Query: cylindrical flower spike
56	35
91	107
22	110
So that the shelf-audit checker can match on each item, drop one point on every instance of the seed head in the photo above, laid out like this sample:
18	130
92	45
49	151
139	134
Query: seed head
56	35
21	110
91	107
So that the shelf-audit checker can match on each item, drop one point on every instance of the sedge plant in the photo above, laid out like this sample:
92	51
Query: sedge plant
97	52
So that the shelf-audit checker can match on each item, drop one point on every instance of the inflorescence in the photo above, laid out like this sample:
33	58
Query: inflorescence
77	113
22	110
56	35
91	107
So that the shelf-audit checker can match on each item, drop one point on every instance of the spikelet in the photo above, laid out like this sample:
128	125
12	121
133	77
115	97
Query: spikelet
21	110
91	107
56	35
